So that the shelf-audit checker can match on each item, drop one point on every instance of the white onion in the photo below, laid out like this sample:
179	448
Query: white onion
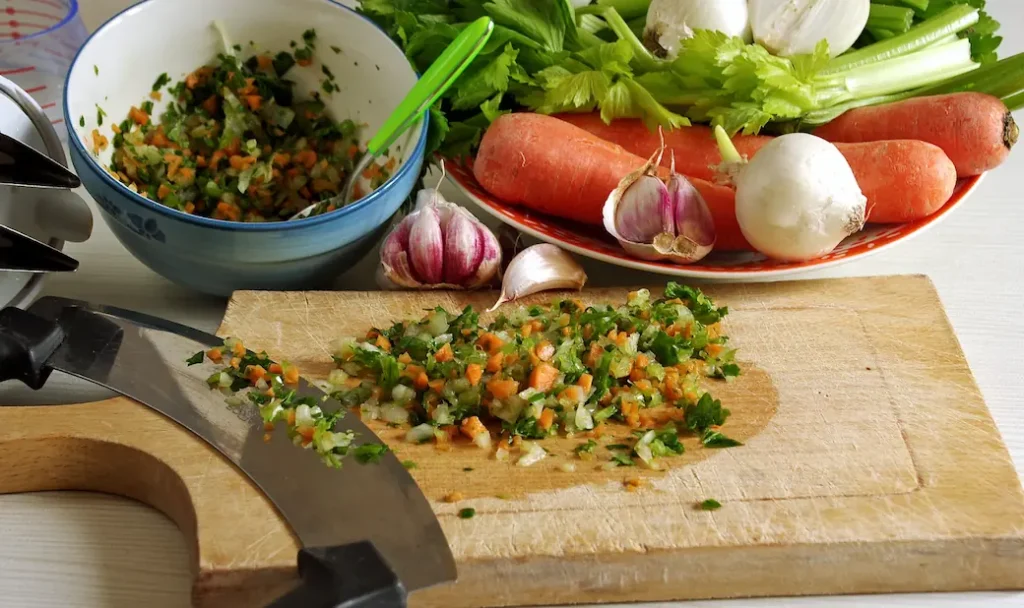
394	414
532	455
420	434
794	27
669	21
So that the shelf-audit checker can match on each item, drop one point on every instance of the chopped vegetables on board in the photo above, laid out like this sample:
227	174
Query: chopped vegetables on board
536	372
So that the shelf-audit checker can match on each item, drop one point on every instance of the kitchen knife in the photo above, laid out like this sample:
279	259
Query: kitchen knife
22	165
22	253
368	534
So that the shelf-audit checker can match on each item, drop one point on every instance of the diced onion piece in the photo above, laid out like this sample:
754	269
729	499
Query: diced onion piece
584	419
394	414
225	380
261	385
337	377
501	454
304	416
402	394
482	440
533	453
567	467
420	434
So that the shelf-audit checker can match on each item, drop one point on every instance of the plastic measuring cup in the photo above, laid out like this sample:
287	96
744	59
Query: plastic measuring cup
38	41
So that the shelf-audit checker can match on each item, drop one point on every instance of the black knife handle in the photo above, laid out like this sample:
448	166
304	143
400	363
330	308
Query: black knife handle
26	344
345	576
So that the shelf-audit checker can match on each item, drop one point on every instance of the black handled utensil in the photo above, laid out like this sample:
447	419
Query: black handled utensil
22	253
369	535
22	165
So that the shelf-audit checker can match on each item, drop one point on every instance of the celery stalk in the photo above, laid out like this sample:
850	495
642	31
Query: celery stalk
951	21
1014	102
641	56
911	71
891	18
628	9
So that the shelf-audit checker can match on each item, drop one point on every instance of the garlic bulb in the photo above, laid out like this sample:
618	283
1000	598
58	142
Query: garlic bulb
539	268
669	21
654	220
440	245
795	27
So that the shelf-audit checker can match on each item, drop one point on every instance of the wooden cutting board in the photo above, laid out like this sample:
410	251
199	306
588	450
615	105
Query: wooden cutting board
871	465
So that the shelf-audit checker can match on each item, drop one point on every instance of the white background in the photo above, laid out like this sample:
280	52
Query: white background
85	550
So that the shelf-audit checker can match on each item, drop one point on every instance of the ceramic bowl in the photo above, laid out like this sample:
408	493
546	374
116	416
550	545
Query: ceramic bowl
116	69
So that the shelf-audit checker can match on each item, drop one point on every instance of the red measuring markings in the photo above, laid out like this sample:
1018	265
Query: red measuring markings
17	70
41	87
55	5
10	10
52	104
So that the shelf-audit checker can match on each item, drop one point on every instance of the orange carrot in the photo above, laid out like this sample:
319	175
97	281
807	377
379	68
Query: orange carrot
490	342
473	373
215	355
444	354
542	378
975	130
138	116
547	418
585	381
275	368
436	385
502	389
422	382
696	152
494	362
291	374
404	358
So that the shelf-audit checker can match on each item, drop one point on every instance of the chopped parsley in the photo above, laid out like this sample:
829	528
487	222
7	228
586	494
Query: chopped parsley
336	49
467	513
196	359
713	439
409	464
586	448
623	459
100	113
96	69
81	120
161	81
370	452
710	505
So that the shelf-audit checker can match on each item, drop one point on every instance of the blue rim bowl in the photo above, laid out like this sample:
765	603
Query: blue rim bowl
115	70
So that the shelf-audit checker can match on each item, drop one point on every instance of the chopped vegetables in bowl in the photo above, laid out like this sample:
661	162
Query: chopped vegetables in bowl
353	77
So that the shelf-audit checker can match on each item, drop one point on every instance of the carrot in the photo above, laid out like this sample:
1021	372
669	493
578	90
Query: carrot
444	354
544	351
162	191
383	343
215	355
542	378
138	116
291	375
473	373
585	381
275	368
436	385
502	389
553	167
902	180
547	418
255	372
975	130
210	105
696	152
265	62
494	363
490	343
404	358
422	382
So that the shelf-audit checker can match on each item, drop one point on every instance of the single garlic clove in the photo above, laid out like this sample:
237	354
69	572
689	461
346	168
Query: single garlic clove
695	227
540	268
490	260
462	247
394	257
426	246
644	210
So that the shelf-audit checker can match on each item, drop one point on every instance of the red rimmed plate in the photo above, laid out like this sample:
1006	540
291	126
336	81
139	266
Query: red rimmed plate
594	242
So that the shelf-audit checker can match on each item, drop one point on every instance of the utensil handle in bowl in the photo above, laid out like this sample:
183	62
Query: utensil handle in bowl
344	576
434	82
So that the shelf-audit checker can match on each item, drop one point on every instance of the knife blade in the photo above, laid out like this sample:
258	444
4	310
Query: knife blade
23	165
22	253
143	358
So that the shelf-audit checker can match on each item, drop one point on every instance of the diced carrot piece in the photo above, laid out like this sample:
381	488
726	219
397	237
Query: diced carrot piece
502	389
588	331
641	361
255	372
210	105
490	342
714	349
585	382
444	354
631	412
353	150
594	355
238	349
352	382
543	377
291	375
138	116
471	427
383	343
282	158
545	350
436	385
494	363
422	382
547	418
235	362
644	385
215	355
323	185
413	371
473	373
265	62
572	393
305	62
254	102
404	358
291	417
306	158
162	191
526	330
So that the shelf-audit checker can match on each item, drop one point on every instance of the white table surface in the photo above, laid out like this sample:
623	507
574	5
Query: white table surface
94	551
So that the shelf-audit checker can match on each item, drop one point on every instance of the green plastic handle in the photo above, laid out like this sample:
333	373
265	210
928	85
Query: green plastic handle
438	78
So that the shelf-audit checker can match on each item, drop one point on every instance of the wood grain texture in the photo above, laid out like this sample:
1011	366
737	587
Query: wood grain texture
871	465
